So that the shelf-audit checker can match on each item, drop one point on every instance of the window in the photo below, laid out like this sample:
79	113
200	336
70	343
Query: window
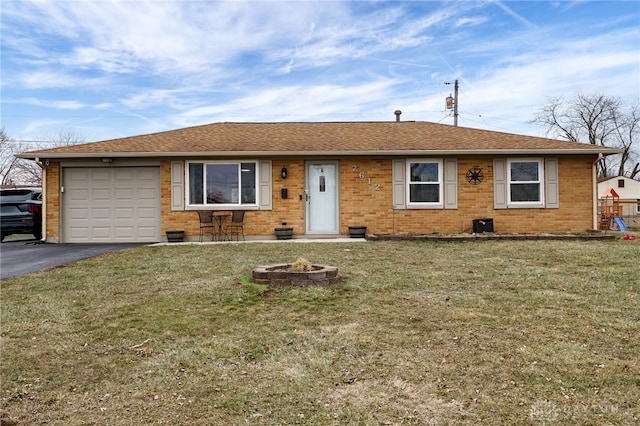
638	207
525	182
222	184
530	183
425	183
620	183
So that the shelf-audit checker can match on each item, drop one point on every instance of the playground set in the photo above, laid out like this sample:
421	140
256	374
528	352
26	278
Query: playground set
611	211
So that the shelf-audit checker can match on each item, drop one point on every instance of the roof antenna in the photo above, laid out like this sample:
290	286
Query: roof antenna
397	113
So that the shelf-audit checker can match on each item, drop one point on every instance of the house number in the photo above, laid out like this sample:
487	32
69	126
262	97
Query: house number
362	175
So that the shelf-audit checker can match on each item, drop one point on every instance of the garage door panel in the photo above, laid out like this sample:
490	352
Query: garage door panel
146	194
102	194
111	204
101	174
79	194
124	174
103	232
98	213
147	213
100	224
79	233
124	194
79	213
124	213
124	231
78	174
145	173
146	232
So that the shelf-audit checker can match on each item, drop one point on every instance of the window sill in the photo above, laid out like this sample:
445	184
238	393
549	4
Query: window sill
220	207
526	206
425	207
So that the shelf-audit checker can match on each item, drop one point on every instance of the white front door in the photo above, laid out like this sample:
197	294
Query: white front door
322	198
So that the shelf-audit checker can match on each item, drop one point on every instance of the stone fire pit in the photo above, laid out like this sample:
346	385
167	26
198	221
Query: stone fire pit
282	275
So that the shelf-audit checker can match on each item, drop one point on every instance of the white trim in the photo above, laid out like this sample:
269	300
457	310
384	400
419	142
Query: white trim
228	206
540	182
587	150
425	205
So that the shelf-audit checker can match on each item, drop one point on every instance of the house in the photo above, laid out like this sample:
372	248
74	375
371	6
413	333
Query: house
628	191
396	177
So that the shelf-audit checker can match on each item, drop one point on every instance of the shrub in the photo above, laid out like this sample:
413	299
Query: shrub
300	265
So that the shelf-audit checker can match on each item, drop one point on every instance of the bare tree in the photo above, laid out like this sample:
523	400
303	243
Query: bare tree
600	120
628	137
21	172
7	159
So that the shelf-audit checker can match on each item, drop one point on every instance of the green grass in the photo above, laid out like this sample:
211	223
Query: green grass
417	333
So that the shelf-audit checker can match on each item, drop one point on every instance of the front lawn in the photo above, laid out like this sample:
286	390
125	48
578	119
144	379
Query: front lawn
417	333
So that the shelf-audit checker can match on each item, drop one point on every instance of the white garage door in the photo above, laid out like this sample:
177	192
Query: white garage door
111	204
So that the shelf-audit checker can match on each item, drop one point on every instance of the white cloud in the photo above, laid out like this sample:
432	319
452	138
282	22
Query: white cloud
471	21
155	64
46	79
36	128
291	103
47	103
519	18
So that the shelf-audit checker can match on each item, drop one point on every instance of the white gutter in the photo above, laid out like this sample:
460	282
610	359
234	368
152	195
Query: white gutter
44	198
331	153
596	222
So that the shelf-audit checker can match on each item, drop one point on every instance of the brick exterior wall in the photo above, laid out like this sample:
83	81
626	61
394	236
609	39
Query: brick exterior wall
52	200
256	222
365	203
366	199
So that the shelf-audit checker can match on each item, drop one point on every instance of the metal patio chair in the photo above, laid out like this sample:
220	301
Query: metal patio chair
236	227
206	224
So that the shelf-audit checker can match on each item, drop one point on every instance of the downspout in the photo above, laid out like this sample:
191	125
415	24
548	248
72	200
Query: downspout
44	199
595	191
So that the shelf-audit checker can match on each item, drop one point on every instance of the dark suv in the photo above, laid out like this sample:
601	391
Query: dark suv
21	212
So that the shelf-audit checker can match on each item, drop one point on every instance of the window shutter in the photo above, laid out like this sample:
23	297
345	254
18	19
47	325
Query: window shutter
450	183
399	187
500	183
551	183
265	185
177	185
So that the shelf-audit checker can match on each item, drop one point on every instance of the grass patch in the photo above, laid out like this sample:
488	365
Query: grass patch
521	332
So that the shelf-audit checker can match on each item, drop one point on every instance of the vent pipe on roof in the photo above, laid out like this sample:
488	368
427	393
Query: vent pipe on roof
397	113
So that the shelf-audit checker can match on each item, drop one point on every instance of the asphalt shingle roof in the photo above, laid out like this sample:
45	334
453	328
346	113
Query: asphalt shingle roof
320	138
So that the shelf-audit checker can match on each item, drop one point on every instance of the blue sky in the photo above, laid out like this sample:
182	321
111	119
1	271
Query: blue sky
107	69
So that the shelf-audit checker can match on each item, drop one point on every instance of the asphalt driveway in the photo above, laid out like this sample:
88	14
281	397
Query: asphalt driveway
18	257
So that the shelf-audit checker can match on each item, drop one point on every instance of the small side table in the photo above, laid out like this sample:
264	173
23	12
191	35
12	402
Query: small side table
220	218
